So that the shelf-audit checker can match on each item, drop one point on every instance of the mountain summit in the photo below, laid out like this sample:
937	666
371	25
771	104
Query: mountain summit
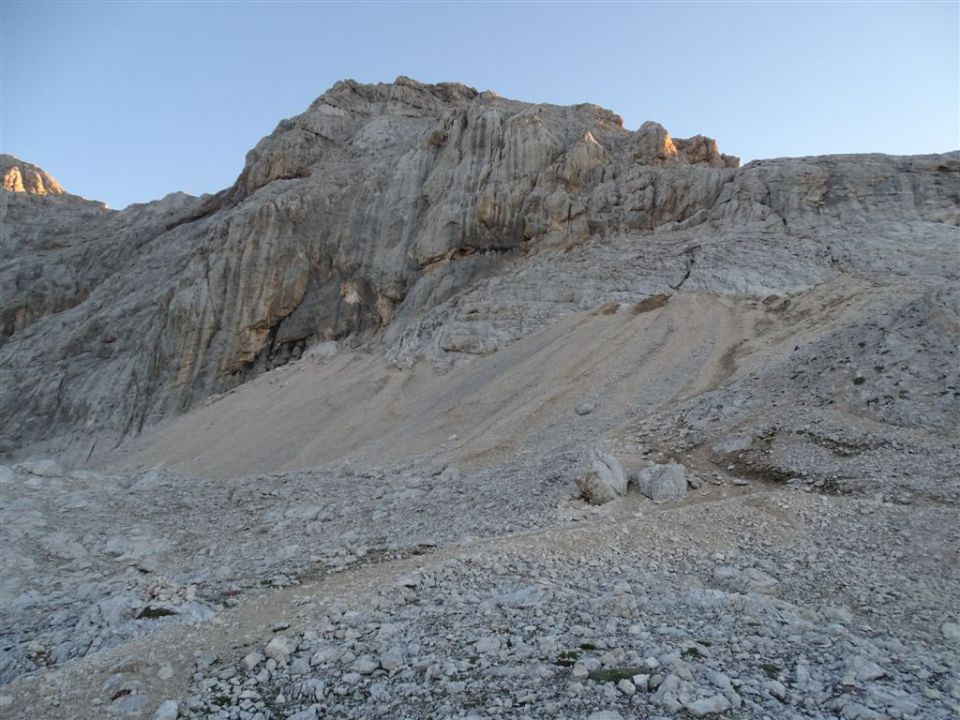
20	176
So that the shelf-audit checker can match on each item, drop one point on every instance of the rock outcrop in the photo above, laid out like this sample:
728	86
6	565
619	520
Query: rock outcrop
434	220
19	176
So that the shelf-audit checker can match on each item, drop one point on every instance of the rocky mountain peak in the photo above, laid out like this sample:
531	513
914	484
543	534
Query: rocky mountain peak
24	177
432	221
374	116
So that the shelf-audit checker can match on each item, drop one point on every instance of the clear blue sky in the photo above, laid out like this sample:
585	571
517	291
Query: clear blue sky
125	102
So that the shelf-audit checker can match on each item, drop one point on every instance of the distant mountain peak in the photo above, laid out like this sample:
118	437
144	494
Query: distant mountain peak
20	176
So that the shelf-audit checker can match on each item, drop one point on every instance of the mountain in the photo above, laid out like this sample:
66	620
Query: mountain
459	406
19	176
366	220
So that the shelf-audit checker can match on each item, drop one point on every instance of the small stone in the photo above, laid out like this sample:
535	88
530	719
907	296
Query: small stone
251	660
580	671
750	580
324	654
626	687
605	715
641	682
366	665
526	597
864	670
391	660
707	706
776	689
740	482
856	711
309	714
486	645
838	614
129	705
279	649
165	672
584	409
450	474
951	631
168	711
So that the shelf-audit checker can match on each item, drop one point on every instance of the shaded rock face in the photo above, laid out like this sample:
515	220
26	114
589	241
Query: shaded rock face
371	217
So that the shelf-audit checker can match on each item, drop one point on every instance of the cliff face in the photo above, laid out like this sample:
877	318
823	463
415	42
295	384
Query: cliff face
433	220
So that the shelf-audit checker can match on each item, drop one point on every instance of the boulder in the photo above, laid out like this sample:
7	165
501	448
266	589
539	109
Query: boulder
279	649
662	483
604	481
749	580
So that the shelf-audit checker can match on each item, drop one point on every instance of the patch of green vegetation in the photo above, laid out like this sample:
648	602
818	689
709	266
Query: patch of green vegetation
770	669
614	674
705	643
567	658
692	651
589	647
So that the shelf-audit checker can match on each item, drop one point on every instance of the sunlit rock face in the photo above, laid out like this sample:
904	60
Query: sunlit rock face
371	219
19	176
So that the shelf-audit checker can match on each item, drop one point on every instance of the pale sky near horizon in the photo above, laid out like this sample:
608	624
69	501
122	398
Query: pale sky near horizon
125	102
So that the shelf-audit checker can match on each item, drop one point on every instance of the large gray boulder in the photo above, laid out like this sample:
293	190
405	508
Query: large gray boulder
662	483
604	480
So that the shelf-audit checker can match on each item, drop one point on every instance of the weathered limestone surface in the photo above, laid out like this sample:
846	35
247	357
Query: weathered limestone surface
433	220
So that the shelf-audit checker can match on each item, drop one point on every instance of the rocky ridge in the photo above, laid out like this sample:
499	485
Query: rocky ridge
23	177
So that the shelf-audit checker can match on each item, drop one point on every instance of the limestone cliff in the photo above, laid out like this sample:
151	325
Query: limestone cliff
390	214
